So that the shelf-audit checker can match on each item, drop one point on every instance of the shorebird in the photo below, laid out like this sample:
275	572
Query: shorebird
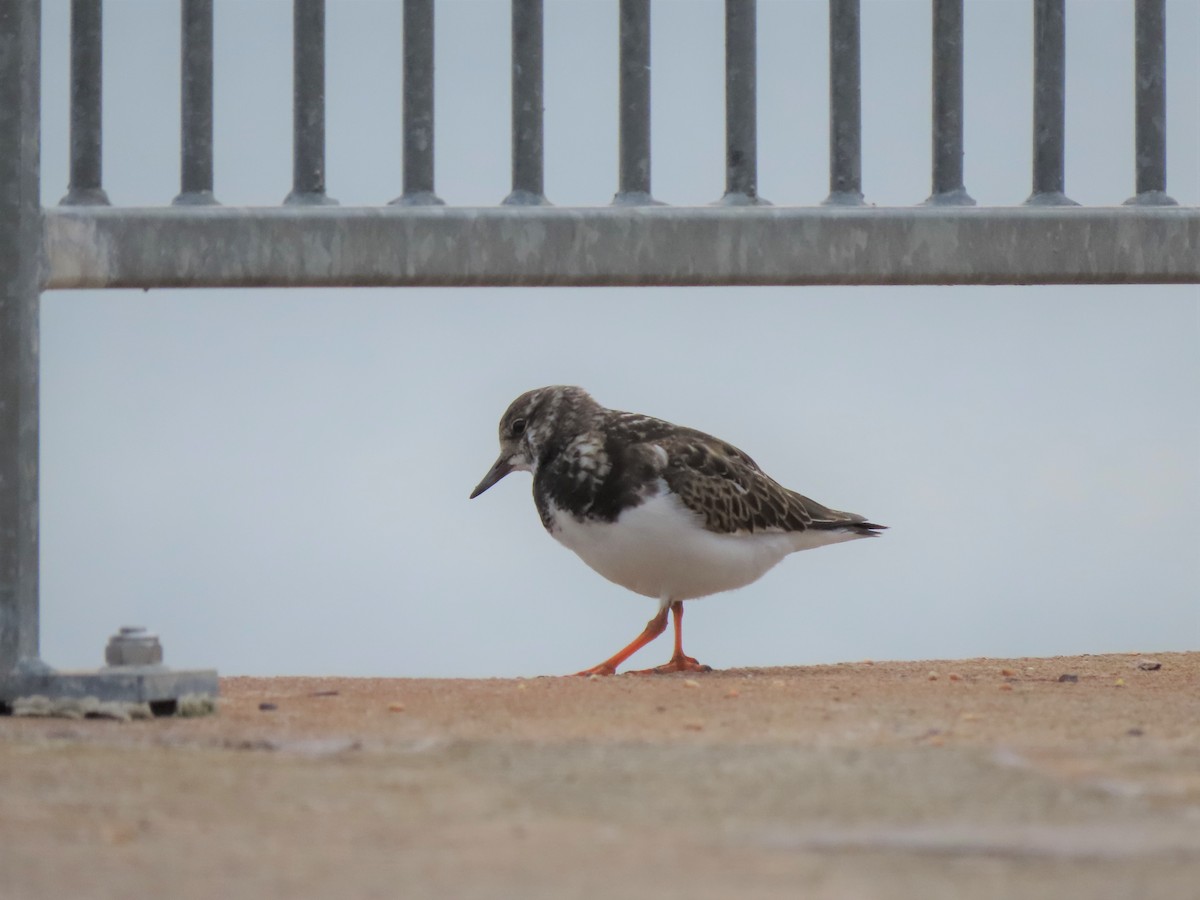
666	511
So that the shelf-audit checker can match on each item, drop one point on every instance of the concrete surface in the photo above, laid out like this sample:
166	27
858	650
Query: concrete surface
976	778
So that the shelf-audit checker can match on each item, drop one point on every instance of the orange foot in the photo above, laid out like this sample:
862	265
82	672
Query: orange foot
676	664
602	669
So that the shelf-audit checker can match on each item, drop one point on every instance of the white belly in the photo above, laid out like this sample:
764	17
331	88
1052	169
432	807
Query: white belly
661	549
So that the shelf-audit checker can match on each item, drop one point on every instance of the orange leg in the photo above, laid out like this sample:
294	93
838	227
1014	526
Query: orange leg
654	628
679	661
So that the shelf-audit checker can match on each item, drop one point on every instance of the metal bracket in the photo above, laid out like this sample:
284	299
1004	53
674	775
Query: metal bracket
134	676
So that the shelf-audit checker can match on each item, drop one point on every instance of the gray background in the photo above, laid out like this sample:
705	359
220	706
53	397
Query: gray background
276	481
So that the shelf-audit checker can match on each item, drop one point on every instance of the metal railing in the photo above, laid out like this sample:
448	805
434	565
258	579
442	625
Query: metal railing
636	240
416	240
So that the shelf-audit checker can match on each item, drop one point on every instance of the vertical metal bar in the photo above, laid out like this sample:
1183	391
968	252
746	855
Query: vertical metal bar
196	104
418	105
528	188
741	100
1150	93
86	56
948	188
20	289
633	182
845	105
308	104
1049	103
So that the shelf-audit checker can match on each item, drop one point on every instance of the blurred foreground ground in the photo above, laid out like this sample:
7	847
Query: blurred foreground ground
976	778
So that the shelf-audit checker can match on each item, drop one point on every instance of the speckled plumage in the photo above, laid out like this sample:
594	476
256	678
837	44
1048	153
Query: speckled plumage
664	510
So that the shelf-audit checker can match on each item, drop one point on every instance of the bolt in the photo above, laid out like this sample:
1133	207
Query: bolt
133	646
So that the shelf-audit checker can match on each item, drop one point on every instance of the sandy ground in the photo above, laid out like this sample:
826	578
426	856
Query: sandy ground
976	778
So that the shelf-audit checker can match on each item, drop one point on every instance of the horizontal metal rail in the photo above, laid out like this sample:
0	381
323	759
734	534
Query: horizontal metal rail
102	247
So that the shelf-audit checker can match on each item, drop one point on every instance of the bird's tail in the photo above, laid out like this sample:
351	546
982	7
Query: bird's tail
865	529
825	519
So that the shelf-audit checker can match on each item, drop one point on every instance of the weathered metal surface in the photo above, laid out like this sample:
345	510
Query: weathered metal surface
741	103
845	104
633	169
196	104
418	105
1049	103
1150	102
20	274
126	684
133	646
948	186
376	246
528	137
308	105
85	188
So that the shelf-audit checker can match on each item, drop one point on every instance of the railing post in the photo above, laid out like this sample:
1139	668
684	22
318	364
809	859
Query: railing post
308	104
948	187
633	181
845	105
1049	104
85	188
1150	100
741	103
20	292
418	106
196	104
528	181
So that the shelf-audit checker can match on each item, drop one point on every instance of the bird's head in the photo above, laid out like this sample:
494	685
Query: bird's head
534	422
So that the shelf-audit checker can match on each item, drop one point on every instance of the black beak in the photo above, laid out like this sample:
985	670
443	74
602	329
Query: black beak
495	473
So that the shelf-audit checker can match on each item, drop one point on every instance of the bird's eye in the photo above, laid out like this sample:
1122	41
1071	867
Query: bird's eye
518	427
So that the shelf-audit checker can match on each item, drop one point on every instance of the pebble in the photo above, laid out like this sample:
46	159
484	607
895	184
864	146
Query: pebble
1068	679
396	707
267	707
1149	665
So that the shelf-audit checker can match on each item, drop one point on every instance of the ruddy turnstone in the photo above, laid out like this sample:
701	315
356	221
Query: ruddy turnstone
666	511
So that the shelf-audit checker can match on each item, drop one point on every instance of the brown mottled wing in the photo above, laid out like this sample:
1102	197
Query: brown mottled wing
730	491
